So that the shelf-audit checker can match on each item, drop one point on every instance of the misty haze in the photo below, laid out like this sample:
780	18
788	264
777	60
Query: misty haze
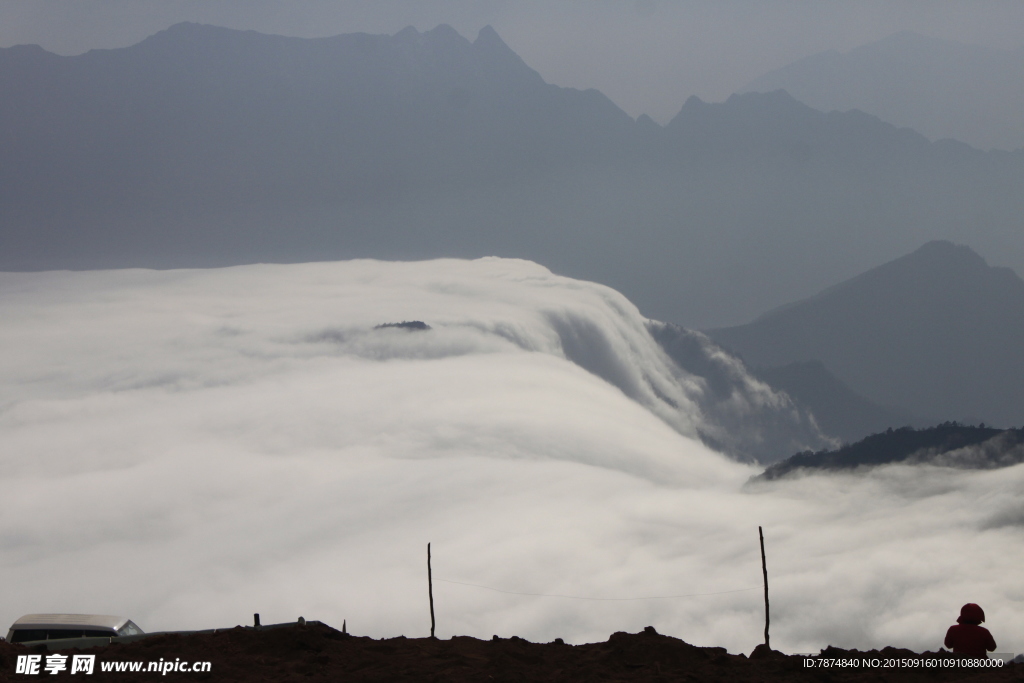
280	306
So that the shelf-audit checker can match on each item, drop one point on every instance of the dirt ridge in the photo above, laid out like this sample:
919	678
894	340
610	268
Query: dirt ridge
316	652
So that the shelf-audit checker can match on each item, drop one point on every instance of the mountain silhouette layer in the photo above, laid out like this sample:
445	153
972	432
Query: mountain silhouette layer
940	88
937	333
204	146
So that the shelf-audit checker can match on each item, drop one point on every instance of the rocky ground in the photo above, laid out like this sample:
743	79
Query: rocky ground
317	652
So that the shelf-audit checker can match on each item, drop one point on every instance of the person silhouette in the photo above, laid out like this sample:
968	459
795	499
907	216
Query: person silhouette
967	637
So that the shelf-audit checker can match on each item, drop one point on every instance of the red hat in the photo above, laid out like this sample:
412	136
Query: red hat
971	614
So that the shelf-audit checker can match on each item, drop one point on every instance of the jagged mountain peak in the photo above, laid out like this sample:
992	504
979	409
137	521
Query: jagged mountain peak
775	97
939	266
409	33
185	27
495	53
778	103
190	31
943	255
445	31
943	252
746	99
647	122
489	38
440	35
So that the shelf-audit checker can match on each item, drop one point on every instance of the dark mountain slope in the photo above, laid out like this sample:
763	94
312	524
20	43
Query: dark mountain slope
947	445
938	332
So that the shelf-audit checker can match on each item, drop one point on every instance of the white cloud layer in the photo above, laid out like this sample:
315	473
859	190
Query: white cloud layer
189	447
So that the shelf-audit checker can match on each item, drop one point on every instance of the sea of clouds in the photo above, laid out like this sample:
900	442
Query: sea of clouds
186	448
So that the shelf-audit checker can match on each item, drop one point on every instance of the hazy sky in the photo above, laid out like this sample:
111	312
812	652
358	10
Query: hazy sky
647	55
187	448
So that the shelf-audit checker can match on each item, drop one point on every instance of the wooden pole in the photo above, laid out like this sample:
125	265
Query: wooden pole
430	592
764	569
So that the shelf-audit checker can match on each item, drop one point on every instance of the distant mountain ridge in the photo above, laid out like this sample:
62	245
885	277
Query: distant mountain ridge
198	122
777	122
234	111
940	88
938	333
203	146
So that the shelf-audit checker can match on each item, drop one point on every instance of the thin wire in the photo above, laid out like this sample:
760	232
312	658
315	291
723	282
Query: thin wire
577	597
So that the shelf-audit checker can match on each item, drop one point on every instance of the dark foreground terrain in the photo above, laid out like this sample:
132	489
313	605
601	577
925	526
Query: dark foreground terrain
316	652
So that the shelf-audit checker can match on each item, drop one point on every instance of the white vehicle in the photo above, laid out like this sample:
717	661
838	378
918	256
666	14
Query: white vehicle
33	628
